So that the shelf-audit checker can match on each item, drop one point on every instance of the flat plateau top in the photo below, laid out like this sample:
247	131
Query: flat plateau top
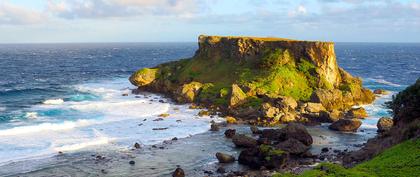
269	39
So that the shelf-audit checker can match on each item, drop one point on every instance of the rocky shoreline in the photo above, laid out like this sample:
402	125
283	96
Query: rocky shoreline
266	82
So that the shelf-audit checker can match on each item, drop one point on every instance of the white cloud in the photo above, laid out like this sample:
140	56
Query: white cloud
16	15
300	10
72	9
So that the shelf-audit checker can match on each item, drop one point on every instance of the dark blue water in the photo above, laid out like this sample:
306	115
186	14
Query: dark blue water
32	73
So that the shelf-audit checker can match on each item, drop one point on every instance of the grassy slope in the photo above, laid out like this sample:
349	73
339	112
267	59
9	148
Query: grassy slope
400	160
277	73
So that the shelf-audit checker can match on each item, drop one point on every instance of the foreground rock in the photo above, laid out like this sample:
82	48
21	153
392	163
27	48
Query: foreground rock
384	124
406	121
346	125
263	156
225	158
244	141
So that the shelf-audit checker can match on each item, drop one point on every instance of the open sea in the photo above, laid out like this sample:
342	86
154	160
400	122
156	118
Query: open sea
69	97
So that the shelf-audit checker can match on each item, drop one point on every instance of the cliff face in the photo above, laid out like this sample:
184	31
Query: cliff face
254	72
243	49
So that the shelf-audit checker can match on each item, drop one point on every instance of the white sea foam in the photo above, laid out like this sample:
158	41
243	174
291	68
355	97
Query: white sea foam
86	124
383	81
2	108
43	127
31	115
54	101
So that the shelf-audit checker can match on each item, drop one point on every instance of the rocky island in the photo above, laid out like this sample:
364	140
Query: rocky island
263	81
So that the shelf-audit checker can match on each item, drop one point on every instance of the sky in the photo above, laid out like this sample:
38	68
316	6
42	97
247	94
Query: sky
56	21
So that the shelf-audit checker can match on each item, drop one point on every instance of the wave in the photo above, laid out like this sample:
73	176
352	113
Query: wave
383	81
78	146
31	115
54	101
2	109
44	127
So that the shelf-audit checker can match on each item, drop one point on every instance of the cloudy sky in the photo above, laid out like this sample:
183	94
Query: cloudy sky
24	21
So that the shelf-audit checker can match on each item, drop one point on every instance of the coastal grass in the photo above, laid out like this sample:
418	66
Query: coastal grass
400	160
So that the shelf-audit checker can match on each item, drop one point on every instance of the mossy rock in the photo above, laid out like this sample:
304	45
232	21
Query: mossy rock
144	77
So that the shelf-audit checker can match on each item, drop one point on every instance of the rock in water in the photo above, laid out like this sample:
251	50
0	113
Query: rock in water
384	124
229	133
225	158
214	127
380	92
179	172
244	141
137	145
346	125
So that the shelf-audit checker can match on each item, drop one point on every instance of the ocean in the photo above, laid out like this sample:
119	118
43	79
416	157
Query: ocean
70	97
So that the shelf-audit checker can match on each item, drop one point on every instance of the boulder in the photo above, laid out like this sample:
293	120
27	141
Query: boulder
225	158
357	113
251	158
144	76
298	132
293	146
229	133
188	92
346	125
241	140
272	134
384	124
237	96
179	172
330	99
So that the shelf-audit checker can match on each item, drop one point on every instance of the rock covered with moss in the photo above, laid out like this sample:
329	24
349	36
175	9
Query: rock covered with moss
241	74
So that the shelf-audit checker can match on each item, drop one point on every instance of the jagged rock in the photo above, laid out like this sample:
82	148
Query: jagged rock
229	133
241	140
144	76
330	99
286	103
346	125
293	146
384	124
357	113
269	111
237	96
188	92
179	172
225	158
263	156
313	107
203	113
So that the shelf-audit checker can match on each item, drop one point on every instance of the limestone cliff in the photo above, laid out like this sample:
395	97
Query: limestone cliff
239	74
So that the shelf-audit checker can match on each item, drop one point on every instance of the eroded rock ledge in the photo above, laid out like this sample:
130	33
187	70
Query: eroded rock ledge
267	80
